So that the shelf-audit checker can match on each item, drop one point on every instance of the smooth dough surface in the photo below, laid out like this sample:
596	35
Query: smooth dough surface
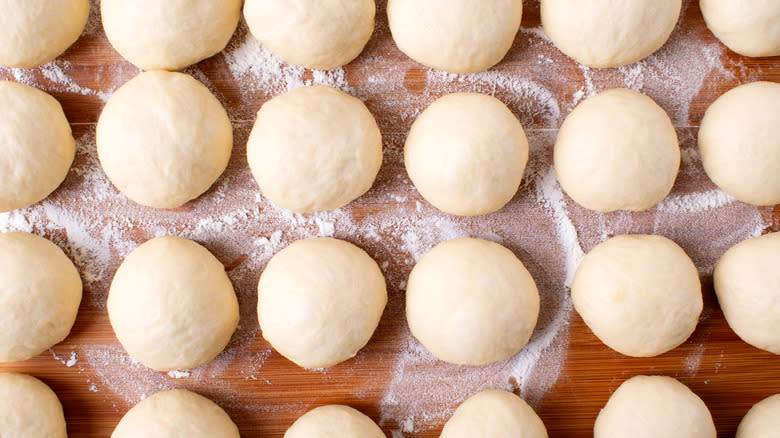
173	414
747	282
319	301
170	34
762	420
458	36
654	407
36	145
33	32
640	294
609	33
492	414
314	148
617	150
471	302
318	34
40	293
163	139
466	154
334	421
29	408
748	27
195	310
739	143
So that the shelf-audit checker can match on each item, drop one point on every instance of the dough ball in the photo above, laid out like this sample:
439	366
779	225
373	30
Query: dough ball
36	144
40	293
172	305
33	32
458	36
466	154
739	143
654	407
617	151
762	420
334	421
494	413
471	302
609	33
29	408
170	34
176	413
639	294
314	148
748	27
318	34
319	301
747	282
163	139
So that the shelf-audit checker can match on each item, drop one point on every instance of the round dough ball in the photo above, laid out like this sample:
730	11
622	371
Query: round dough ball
33	32
29	408
176	413
617	150
609	33
314	148
739	143
494	413
654	407
466	154
334	421
172	305
163	139
747	282
640	294
471	302
458	36
319	301
36	145
762	420
170	34
40	294
748	27
317	34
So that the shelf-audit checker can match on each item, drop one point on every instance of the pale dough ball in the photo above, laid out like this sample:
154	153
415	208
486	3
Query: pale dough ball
33	32
170	34
492	414
314	148
609	33
639	294
334	421
654	407
173	414
458	36
739	143
762	420
617	150
172	305
36	145
318	34
40	293
747	282
163	139
319	301
466	154
748	27
29	408
471	302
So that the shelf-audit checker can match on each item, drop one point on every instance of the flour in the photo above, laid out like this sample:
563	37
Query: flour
695	202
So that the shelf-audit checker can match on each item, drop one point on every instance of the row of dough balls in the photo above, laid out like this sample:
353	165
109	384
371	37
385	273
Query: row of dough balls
460	36
647	406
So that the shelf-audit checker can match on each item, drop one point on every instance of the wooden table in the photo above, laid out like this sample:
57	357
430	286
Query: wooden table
565	373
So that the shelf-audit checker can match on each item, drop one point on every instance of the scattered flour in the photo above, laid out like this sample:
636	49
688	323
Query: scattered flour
695	202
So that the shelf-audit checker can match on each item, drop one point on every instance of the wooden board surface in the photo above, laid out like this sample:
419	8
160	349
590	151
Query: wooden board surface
566	373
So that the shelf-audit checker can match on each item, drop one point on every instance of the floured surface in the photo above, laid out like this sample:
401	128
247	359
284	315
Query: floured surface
565	373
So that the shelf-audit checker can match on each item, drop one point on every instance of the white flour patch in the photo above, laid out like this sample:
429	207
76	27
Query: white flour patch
695	202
